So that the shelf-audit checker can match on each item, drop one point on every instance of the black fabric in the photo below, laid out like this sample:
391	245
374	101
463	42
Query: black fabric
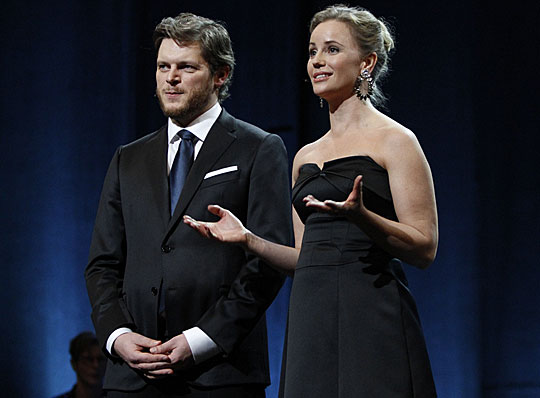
353	327
162	390
137	246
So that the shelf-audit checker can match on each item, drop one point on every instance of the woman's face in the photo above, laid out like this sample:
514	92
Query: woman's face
334	60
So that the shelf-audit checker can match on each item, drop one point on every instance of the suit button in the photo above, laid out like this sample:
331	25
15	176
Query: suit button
154	290
165	248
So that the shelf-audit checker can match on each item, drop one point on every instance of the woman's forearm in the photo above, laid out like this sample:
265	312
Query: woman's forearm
282	258
399	239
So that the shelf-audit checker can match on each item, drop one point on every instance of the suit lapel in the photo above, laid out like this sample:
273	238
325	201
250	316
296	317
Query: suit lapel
157	174
219	138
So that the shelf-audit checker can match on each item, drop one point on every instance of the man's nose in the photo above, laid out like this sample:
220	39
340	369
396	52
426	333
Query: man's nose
173	77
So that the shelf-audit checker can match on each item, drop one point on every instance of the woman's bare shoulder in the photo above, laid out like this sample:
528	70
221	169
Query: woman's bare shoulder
396	139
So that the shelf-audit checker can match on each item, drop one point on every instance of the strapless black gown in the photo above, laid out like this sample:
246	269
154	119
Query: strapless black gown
353	327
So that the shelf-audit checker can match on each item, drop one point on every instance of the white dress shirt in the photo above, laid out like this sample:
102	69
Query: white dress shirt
202	347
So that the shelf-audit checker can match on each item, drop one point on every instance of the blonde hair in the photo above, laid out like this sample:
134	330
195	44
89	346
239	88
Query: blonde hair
372	35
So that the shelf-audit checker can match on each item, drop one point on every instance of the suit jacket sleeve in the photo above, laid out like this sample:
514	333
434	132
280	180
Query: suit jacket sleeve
257	284
106	264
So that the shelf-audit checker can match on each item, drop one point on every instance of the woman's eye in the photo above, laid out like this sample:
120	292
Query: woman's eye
312	52
333	50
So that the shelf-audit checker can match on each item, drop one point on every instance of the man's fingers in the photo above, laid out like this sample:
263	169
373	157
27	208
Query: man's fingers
159	373
131	346
148	376
139	358
144	341
164	348
153	366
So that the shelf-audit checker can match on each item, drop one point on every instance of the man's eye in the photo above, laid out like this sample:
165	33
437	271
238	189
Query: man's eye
188	68
163	67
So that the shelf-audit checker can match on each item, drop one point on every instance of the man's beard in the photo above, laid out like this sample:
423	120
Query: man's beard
193	106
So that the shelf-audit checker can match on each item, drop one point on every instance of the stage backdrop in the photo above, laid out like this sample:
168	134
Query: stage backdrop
77	80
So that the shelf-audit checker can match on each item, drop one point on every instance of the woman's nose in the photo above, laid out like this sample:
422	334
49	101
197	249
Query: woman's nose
318	60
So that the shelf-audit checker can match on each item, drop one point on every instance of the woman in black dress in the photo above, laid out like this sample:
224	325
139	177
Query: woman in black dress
363	200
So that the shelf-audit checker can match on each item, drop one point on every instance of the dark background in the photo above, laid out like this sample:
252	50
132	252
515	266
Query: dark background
77	80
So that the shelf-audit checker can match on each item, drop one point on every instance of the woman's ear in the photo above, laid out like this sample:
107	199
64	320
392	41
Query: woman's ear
369	62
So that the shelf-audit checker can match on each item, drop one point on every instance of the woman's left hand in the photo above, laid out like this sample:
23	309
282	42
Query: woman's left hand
352	206
228	229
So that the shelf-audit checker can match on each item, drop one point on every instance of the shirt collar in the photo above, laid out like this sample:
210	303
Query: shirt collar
200	126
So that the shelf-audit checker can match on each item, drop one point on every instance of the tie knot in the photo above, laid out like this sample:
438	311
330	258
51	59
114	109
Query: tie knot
186	135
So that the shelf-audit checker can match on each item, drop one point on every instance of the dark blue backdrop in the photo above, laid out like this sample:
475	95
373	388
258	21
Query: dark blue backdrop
77	81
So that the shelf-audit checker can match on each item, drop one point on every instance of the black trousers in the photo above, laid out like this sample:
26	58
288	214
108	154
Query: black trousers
158	391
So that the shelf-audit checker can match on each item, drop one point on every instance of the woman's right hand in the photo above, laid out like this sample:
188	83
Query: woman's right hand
228	229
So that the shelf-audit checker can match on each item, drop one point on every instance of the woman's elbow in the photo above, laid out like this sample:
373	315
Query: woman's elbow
426	254
425	261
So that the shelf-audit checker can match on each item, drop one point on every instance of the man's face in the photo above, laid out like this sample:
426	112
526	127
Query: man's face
185	85
90	367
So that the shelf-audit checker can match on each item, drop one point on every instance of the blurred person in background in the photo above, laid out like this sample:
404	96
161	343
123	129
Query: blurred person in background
88	362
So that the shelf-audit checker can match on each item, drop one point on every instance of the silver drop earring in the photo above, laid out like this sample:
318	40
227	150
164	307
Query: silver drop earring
321	102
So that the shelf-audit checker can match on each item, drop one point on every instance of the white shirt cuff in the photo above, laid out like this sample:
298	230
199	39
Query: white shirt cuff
114	335
202	347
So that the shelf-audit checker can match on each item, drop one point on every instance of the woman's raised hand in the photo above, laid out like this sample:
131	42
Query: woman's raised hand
351	207
228	229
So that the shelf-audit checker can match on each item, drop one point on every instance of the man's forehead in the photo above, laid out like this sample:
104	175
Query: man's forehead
170	42
186	43
170	48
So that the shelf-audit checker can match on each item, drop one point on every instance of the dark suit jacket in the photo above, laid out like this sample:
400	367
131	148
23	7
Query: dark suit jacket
136	246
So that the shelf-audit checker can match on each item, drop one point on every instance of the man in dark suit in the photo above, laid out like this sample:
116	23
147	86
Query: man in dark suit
178	314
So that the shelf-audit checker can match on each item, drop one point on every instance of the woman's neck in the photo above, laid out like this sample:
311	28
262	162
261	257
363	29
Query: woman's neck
350	114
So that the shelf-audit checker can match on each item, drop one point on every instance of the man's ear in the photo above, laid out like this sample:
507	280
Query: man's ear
221	76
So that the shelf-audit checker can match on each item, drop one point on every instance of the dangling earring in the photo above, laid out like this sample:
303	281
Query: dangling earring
321	102
364	76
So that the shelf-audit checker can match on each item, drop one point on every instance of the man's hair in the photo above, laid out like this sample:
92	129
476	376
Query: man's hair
81	343
211	36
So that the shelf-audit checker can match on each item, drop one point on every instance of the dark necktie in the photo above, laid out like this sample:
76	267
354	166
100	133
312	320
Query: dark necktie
181	165
179	171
